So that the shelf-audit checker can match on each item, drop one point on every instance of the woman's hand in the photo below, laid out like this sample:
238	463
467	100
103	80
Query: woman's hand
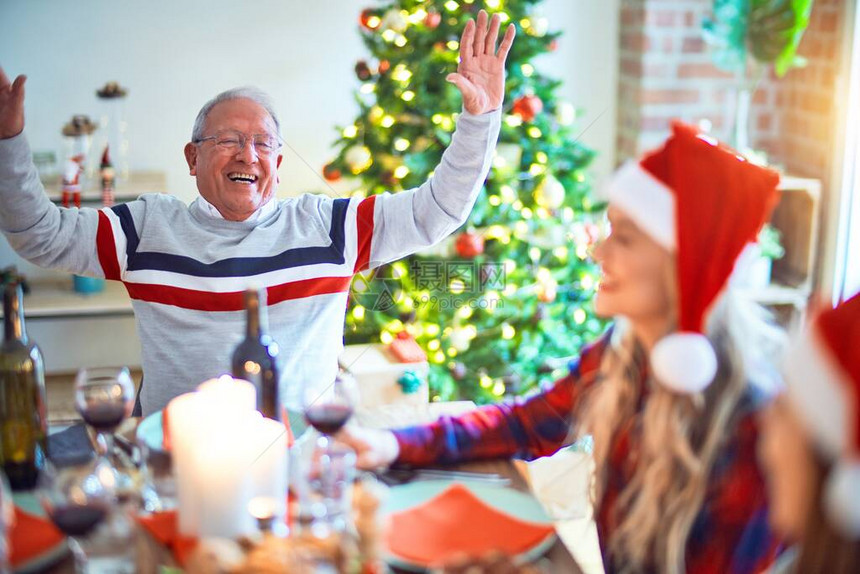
374	448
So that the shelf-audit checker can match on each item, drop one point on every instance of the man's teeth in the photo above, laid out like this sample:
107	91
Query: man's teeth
243	177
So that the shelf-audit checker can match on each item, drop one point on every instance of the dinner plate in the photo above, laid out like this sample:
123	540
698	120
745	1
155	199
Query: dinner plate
151	433
28	502
520	505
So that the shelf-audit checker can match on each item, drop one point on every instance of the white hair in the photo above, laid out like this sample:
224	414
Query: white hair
243	93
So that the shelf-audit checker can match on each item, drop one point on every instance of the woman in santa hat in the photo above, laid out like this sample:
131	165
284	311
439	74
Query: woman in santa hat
671	392
810	447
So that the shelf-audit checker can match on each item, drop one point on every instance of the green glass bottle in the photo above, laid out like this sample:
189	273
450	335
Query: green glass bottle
23	408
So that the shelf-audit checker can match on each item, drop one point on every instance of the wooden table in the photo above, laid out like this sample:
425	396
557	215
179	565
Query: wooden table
558	558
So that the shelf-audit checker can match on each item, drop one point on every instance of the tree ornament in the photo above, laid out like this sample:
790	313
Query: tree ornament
553	46
565	113
369	19
410	382
331	173
358	158
550	193
362	70
383	67
394	20
433	19
458	371
527	107
547	290
460	339
469	244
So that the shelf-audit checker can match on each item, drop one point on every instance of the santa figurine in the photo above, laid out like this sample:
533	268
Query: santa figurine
72	180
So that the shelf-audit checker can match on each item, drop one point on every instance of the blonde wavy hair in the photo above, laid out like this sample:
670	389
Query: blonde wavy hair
680	435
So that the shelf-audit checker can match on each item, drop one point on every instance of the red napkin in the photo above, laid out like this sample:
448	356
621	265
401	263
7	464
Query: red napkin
31	536
164	527
454	523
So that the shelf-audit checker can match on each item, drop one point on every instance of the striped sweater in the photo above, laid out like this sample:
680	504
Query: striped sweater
185	269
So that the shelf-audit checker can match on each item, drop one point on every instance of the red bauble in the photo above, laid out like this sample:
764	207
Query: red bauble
362	70
365	17
527	107
433	19
553	46
469	245
384	66
331	173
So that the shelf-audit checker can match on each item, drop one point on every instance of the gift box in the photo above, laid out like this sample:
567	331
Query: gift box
383	378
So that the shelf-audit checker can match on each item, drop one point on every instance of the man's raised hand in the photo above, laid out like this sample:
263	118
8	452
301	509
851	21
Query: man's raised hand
11	105
480	76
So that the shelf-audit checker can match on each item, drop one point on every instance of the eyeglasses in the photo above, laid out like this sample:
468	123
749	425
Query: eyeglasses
232	142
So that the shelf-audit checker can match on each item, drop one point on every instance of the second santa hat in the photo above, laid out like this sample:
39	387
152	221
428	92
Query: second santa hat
703	202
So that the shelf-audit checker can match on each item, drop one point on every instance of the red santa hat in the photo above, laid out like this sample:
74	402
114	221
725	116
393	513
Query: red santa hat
704	202
822	373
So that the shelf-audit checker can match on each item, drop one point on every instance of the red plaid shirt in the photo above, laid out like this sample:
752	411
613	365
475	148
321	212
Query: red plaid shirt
730	534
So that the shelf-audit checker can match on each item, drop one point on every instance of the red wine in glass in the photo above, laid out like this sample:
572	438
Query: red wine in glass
326	418
104	417
78	519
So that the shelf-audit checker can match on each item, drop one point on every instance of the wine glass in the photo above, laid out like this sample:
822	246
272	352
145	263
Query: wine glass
329	409
77	499
104	397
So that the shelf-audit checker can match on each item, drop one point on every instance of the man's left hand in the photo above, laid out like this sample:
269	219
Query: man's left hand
480	76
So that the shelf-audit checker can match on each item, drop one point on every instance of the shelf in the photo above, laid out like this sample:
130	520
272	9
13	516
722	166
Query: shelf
139	182
57	300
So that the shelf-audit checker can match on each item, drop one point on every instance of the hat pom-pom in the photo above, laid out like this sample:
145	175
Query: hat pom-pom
841	500
684	362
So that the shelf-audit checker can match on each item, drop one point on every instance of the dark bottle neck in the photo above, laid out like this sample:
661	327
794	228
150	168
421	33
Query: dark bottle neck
13	314
255	311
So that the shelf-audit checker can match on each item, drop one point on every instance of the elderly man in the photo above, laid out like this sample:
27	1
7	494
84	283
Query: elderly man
185	267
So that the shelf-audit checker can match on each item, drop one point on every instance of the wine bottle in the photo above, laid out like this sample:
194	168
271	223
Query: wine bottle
255	359
23	408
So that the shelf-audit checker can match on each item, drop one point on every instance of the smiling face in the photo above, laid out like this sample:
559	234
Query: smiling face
635	277
239	183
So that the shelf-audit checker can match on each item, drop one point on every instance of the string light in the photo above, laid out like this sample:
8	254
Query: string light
400	73
387	121
534	254
587	282
398	269
434	345
386	338
494	4
400	41
514	121
418	16
503	17
452	352
408	96
541	157
350	131
389	35
535	132
375	114
464	312
508	193
499	389
436	119
579	316
527	70
432	329
374	22
457	286
526	213
542	213
401	144
537	169
508	332
521	228
485	381
451	6
367	88
495	200
453	45
560	252
358	313
401	171
439	357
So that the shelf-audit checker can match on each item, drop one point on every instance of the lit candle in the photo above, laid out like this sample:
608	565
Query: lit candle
185	413
268	464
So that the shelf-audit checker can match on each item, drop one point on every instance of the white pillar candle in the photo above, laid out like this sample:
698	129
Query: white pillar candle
184	415
268	461
236	394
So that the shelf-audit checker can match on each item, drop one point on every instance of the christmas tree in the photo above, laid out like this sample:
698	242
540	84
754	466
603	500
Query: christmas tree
499	307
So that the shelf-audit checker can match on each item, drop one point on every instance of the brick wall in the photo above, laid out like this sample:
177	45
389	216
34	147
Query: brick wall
665	72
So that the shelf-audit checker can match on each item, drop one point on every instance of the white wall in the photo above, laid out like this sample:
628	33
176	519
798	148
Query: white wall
173	56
